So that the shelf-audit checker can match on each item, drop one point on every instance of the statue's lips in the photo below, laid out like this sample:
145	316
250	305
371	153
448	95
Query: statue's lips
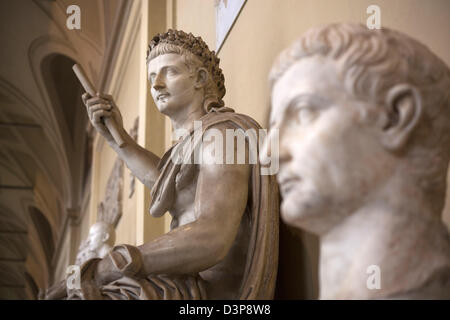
162	96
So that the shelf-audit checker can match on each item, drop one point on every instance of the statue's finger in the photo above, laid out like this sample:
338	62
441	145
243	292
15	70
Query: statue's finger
97	100
99	115
96	107
100	106
85	96
105	96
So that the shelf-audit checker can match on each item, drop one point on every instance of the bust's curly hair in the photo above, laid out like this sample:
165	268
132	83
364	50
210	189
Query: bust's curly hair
180	42
370	63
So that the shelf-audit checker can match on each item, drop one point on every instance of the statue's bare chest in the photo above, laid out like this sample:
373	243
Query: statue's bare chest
183	208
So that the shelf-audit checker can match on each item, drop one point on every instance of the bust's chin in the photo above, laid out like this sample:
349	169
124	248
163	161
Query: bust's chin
293	213
306	214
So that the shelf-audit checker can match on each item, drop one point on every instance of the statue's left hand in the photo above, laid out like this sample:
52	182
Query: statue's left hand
105	272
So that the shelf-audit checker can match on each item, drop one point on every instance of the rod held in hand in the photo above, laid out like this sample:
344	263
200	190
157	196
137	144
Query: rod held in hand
89	88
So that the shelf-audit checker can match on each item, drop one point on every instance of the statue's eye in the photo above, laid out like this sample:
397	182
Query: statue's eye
172	72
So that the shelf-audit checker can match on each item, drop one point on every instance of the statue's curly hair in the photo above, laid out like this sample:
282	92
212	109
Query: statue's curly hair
196	46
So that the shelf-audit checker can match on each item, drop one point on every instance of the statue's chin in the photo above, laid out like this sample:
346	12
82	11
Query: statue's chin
163	106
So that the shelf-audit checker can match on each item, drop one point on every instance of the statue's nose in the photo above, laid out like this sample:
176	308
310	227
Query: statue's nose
158	83
158	86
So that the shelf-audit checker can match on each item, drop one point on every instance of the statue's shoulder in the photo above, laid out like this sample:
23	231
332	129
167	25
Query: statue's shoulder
229	119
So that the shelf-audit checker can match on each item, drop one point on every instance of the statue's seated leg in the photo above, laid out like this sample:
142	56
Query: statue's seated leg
156	287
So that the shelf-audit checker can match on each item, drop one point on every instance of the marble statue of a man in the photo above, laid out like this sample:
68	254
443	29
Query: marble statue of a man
363	118
223	242
99	243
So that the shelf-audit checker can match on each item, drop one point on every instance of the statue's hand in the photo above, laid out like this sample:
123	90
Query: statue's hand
99	108
105	272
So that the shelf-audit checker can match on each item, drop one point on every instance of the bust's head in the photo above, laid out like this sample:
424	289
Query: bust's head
181	67
101	235
354	108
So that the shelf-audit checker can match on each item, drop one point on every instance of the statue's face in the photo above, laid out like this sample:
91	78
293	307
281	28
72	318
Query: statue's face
172	84
329	159
97	237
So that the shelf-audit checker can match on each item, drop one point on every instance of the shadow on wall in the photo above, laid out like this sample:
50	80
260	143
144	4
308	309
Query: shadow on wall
298	264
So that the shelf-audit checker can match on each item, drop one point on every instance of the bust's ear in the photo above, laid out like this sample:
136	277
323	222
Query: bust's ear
201	78
404	109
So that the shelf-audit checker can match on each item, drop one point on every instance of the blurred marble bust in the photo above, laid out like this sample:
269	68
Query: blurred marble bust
363	118
99	243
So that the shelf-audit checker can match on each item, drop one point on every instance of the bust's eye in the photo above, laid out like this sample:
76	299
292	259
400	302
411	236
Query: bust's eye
306	115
